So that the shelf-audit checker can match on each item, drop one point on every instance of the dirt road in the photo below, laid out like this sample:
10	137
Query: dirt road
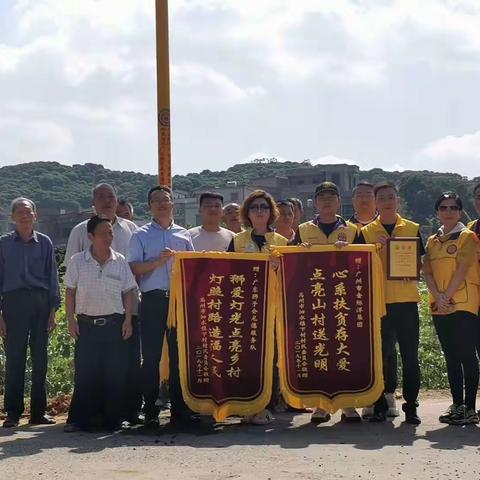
290	448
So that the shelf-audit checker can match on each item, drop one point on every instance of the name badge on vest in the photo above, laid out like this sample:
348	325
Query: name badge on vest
342	236
250	247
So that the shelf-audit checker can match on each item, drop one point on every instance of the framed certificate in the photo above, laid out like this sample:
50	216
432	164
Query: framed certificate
403	260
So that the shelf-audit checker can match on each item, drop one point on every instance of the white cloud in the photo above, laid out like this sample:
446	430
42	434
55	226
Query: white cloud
201	84
465	147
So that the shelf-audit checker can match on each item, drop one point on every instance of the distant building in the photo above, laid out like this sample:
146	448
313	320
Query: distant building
57	223
186	208
301	182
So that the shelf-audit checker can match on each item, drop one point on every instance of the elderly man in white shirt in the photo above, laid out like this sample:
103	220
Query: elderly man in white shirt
98	304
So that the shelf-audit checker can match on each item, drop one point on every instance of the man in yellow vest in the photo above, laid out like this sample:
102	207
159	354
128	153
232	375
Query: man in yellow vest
327	228
401	323
365	210
475	227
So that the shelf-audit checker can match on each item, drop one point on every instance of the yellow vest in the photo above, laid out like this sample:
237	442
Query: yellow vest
243	242
311	233
396	291
443	261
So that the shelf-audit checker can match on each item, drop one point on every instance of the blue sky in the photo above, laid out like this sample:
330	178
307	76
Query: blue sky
390	84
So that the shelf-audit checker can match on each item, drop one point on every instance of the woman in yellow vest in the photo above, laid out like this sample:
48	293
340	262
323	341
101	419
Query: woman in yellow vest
452	275
258	214
475	227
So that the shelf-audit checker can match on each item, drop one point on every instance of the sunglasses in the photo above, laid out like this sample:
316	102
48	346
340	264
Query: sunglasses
452	208
259	208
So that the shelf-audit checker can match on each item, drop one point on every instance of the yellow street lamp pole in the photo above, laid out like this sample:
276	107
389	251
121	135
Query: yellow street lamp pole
163	94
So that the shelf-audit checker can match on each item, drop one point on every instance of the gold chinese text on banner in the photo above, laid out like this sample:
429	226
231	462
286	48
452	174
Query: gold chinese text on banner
225	328
328	326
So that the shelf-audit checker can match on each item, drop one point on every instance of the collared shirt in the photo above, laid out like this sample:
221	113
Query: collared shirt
78	240
99	288
29	265
210	241
147	244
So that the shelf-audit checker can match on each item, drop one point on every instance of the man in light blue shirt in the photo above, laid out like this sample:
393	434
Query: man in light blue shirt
151	251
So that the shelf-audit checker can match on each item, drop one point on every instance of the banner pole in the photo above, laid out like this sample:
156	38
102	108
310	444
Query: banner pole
163	93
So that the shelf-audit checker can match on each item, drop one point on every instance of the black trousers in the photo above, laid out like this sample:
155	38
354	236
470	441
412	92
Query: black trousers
457	335
401	325
153	316
101	357
26	314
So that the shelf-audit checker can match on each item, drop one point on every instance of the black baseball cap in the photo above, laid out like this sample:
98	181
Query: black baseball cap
327	187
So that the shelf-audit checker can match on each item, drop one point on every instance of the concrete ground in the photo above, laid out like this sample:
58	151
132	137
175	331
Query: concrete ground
290	448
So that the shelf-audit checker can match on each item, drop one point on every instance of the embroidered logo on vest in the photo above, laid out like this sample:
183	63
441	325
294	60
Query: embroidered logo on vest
451	249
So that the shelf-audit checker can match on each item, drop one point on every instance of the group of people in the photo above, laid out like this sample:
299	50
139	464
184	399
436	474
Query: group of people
117	284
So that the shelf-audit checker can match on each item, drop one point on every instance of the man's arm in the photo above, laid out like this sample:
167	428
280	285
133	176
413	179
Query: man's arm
73	329
135	258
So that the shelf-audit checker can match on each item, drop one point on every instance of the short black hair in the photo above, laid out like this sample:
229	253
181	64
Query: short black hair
159	188
446	196
383	186
94	221
476	188
285	203
211	195
297	202
363	183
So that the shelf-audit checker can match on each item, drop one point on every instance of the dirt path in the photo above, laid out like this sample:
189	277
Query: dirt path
290	448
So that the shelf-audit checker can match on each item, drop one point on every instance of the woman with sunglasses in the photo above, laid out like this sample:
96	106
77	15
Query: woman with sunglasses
258	214
452	276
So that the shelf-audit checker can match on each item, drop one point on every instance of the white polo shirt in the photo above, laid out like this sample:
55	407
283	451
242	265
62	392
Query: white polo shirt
78	241
99	288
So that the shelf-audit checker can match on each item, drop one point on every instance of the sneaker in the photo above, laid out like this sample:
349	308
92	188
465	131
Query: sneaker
463	416
350	415
319	416
392	406
43	420
444	417
262	418
367	412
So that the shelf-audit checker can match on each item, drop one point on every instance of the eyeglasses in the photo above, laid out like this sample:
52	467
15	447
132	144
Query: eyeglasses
259	208
453	208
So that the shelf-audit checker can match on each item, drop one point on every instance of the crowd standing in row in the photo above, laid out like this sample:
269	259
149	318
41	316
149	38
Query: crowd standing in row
117	297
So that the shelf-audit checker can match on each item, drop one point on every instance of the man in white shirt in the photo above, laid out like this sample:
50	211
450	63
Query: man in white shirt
105	203
210	236
98	304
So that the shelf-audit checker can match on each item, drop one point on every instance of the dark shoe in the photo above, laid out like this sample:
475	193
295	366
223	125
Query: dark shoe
45	420
10	422
344	418
136	420
71	428
379	415
184	418
320	416
411	415
445	417
151	422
